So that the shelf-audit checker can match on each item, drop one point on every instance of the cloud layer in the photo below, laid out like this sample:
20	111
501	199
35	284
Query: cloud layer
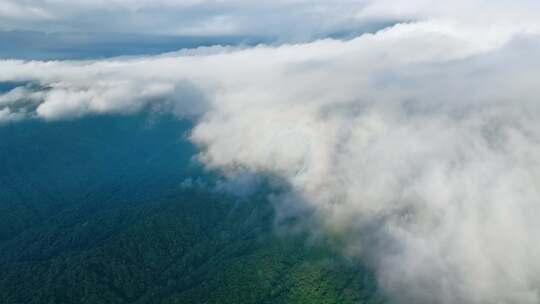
287	20
282	19
419	145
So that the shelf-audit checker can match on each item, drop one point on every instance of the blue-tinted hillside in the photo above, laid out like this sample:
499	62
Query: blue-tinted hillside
97	210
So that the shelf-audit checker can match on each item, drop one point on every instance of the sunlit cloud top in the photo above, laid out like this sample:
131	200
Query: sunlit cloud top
417	142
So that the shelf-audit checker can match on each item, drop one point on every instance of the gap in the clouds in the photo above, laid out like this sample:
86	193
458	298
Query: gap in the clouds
32	45
367	28
6	86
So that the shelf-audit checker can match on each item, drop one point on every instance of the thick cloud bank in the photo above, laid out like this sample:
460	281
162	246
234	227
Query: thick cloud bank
419	145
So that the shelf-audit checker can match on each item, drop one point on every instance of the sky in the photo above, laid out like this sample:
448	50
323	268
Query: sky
410	128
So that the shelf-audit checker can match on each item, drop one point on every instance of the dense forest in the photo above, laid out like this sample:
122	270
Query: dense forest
104	210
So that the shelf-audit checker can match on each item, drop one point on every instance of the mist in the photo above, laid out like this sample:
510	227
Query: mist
418	145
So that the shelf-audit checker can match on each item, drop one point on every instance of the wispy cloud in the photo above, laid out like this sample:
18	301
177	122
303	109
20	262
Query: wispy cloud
281	19
419	145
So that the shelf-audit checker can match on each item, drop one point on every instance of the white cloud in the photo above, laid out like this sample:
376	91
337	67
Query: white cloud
6	116
419	145
285	19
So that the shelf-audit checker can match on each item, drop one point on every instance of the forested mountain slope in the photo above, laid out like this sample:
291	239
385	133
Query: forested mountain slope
97	211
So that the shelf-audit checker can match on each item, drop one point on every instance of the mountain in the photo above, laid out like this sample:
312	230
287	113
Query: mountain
113	209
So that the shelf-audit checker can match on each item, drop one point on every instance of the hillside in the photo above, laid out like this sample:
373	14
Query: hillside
96	211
